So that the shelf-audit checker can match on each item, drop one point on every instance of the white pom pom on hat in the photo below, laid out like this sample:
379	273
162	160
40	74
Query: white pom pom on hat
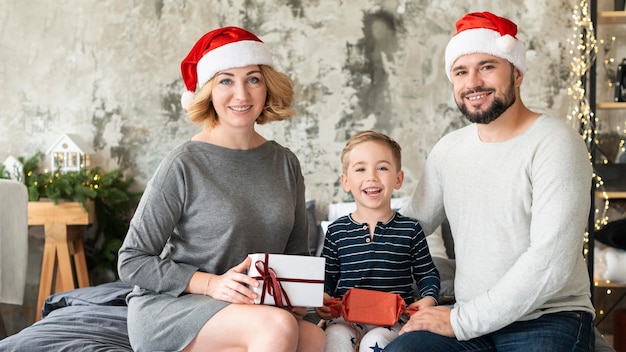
484	32
218	50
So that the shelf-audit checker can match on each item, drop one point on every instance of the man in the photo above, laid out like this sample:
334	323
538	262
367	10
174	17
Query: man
515	187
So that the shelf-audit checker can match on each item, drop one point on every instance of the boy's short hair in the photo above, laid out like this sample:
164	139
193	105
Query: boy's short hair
370	136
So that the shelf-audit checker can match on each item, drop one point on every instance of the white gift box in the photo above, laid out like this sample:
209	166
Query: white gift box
285	280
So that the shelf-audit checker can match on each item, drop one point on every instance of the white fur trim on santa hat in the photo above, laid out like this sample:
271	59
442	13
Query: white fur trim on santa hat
236	54
186	99
485	41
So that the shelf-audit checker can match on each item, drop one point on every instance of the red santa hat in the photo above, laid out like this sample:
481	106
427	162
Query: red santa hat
219	50
484	32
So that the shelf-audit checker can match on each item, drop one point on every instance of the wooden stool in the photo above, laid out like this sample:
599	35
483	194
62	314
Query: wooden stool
63	261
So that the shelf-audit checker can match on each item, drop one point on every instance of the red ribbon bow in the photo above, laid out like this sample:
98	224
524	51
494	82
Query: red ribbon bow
271	283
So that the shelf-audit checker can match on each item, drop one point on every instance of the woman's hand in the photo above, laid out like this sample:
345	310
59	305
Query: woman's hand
232	286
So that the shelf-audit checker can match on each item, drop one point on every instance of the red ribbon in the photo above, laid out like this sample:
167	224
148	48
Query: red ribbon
271	283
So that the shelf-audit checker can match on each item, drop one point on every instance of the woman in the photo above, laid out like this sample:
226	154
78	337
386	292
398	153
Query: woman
224	194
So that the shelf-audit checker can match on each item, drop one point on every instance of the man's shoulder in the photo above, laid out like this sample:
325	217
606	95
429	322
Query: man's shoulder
551	131
453	140
552	124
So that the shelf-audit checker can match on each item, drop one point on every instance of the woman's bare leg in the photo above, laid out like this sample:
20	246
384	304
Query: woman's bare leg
254	328
312	337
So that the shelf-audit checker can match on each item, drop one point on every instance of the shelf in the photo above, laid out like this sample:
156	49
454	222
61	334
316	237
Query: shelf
611	195
606	295
611	105
612	17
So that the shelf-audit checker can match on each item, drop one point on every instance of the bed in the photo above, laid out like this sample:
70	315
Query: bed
90	319
93	319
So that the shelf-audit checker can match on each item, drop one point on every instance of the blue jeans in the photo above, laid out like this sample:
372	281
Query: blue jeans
563	331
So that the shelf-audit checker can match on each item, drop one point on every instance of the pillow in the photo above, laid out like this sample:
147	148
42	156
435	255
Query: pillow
320	244
436	244
314	230
446	268
107	294
609	263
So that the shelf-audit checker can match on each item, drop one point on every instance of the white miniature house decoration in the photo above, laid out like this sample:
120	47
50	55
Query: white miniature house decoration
69	153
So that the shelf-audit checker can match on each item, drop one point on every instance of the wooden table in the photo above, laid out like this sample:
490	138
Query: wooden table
63	254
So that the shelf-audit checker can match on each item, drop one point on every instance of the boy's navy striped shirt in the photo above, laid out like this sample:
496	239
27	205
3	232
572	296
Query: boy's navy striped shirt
390	261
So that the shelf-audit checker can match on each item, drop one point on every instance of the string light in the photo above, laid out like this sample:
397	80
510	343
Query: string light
584	50
609	60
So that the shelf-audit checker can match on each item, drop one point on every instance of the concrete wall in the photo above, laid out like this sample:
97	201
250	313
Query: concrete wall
109	71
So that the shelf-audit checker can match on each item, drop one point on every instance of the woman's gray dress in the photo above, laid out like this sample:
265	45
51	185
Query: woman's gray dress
206	208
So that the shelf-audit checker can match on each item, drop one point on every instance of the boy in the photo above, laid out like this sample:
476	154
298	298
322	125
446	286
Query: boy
375	247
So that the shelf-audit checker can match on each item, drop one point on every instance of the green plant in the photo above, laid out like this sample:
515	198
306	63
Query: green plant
114	200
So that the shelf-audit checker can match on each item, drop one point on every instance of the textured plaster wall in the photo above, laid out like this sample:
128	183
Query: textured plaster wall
109	71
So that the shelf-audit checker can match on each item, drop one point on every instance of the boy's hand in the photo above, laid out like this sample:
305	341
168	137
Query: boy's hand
424	302
420	304
330	309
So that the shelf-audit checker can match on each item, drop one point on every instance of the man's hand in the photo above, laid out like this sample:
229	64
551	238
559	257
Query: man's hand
433	319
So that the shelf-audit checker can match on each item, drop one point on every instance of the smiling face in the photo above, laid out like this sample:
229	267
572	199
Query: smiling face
239	96
485	86
372	174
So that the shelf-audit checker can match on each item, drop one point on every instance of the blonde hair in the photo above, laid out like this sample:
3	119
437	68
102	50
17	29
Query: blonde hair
277	104
370	136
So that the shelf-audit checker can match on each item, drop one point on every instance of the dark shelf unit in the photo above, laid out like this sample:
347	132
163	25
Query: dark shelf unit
600	18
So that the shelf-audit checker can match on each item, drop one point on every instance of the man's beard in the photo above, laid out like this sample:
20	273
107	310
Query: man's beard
497	108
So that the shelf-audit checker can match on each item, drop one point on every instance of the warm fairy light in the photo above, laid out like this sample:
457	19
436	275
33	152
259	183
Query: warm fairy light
584	49
608	61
